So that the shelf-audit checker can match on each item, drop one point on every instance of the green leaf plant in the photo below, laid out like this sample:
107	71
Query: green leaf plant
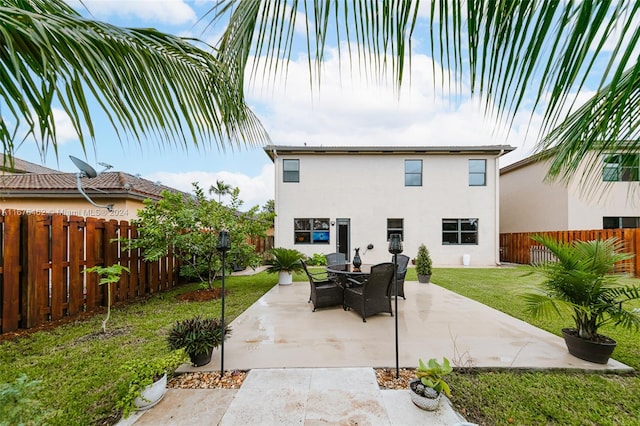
581	282
431	374
108	275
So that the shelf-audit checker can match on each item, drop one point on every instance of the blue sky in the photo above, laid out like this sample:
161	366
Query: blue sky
346	111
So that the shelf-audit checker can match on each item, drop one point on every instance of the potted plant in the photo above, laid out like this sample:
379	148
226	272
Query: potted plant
581	283
285	262
147	381
423	264
198	337
427	388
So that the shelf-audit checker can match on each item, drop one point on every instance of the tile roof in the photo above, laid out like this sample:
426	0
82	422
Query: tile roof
106	184
22	166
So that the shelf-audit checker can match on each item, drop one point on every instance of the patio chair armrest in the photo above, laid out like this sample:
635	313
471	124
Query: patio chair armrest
353	283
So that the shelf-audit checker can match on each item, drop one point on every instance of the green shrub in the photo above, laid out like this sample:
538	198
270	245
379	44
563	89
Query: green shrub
317	259
20	404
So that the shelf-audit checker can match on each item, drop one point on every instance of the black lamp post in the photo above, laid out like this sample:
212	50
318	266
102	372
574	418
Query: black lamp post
223	246
395	247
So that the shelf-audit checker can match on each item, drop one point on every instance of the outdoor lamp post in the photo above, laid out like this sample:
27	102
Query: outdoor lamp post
395	247
223	246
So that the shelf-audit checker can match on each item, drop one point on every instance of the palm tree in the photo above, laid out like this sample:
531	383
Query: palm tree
220	189
150	85
508	52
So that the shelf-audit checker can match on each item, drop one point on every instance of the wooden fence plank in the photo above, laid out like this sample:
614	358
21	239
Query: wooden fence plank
76	267
57	263
10	273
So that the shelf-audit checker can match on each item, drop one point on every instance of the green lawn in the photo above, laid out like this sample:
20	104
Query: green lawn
81	379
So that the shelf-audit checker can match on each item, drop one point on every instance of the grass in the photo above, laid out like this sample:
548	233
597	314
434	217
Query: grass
81	378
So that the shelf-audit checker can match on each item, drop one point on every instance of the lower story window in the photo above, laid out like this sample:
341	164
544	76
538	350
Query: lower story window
395	226
311	231
460	231
612	222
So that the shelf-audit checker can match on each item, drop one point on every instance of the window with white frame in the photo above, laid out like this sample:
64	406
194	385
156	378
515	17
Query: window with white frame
621	168
395	226
290	170
311	231
412	172
459	231
477	172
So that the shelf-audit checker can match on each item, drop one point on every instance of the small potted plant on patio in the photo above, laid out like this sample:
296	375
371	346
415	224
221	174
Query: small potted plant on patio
147	381
423	264
285	262
427	388
198	337
581	283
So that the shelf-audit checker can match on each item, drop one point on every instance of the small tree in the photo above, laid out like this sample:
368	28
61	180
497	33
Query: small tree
108	275
423	261
189	226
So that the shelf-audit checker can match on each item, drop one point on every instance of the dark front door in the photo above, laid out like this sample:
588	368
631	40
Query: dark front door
343	237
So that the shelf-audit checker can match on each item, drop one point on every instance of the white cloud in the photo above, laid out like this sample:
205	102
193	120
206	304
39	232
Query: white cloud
172	12
254	190
348	110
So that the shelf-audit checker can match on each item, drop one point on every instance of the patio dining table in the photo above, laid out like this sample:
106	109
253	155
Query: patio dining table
344	271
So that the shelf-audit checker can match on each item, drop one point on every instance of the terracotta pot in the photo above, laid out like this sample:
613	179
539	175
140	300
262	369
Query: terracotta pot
596	352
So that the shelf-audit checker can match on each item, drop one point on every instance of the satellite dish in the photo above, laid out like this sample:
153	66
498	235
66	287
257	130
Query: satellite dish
87	171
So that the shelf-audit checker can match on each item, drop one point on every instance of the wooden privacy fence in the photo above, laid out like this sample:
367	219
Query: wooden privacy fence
520	248
42	259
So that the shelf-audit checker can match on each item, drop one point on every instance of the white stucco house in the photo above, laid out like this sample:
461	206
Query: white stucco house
611	199
336	199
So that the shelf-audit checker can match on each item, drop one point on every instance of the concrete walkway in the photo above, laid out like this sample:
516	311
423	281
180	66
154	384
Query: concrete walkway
317	367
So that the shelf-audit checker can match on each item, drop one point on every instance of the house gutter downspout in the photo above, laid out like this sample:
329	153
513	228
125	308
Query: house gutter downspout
497	207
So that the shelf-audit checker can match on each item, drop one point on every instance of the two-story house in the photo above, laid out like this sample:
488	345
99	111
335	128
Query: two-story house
336	199
610	198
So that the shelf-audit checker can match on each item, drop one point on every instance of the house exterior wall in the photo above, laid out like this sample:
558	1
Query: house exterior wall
368	189
527	204
122	209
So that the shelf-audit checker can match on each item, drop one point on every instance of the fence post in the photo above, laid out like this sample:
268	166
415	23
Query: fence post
34	288
76	257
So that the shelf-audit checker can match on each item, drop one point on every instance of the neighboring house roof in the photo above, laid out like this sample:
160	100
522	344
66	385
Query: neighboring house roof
105	185
22	166
273	150
541	156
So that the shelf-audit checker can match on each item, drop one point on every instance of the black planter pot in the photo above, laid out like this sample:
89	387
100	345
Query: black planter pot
201	359
424	279
596	352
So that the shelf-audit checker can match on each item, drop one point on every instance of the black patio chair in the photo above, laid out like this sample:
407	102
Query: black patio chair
374	295
335	258
403	263
324	291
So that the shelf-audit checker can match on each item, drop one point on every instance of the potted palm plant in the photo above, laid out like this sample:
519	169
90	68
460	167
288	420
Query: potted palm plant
285	262
581	283
198	337
423	264
427	388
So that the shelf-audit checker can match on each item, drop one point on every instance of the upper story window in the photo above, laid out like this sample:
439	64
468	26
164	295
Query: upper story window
395	226
477	172
460	231
311	231
621	168
291	170
412	172
612	222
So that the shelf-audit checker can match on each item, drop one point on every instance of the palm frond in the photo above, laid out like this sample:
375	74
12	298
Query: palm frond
150	85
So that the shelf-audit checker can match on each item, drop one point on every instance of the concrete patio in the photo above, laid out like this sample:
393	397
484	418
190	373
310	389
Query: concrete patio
305	366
